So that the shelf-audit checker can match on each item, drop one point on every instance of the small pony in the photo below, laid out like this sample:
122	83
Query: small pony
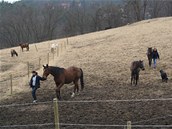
53	47
163	76
135	69
65	76
149	55
13	52
26	45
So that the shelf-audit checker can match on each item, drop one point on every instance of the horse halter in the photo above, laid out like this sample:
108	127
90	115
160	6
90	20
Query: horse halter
46	72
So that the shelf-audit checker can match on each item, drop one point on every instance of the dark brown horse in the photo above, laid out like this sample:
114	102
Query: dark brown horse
26	45
65	76
13	52
149	55
135	69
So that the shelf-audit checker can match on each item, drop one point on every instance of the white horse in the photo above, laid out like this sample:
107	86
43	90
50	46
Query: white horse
53	47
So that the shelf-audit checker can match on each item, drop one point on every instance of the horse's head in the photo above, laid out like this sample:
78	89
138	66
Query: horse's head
149	50
141	65
46	71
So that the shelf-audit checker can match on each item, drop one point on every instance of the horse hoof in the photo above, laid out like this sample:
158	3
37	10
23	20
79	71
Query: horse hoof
59	98
73	94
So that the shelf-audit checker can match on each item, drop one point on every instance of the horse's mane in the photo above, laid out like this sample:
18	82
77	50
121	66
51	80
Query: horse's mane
55	71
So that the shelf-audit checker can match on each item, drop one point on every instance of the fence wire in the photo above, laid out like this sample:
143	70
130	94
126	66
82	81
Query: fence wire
91	101
87	125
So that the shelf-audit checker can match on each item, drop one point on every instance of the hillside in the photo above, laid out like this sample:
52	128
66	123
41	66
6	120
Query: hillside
105	58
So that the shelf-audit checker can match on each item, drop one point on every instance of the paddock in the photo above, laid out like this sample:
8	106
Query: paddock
105	58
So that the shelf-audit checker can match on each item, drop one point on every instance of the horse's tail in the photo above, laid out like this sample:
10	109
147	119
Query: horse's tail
82	80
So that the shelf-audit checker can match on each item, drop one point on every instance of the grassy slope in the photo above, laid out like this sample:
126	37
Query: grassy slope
105	58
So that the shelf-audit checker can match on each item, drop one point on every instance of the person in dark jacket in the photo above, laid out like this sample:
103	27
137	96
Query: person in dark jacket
155	56
35	84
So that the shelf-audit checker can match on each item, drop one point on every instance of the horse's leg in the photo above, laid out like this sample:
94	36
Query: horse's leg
134	79
137	78
76	87
58	90
131	79
149	62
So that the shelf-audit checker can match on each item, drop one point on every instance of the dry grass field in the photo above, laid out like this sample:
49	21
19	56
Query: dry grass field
105	58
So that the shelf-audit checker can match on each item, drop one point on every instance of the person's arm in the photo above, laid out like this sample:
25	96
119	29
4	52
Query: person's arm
41	78
158	55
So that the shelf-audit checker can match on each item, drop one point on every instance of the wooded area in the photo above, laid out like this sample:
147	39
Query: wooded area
30	21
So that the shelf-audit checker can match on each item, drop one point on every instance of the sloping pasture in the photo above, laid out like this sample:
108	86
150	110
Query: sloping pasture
105	58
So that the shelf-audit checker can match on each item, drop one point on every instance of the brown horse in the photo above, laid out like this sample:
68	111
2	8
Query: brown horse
64	76
13	52
26	45
149	55
135	69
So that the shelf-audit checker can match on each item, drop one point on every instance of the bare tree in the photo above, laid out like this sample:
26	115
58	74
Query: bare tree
168	8
50	20
136	8
156	6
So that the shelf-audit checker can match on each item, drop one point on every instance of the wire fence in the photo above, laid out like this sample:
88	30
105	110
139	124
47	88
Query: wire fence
124	126
87	125
15	80
91	101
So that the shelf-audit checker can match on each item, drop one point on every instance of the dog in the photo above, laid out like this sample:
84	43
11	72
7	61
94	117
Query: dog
163	76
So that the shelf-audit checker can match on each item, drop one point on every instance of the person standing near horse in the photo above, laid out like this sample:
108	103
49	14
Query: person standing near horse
155	56
35	84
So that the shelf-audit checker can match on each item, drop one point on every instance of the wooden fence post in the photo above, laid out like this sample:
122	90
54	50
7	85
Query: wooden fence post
53	55
61	47
128	124
67	41
65	45
39	62
28	69
11	84
47	58
57	51
36	48
56	113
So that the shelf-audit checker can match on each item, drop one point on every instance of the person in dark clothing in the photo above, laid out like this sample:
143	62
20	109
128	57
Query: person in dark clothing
35	84
155	56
